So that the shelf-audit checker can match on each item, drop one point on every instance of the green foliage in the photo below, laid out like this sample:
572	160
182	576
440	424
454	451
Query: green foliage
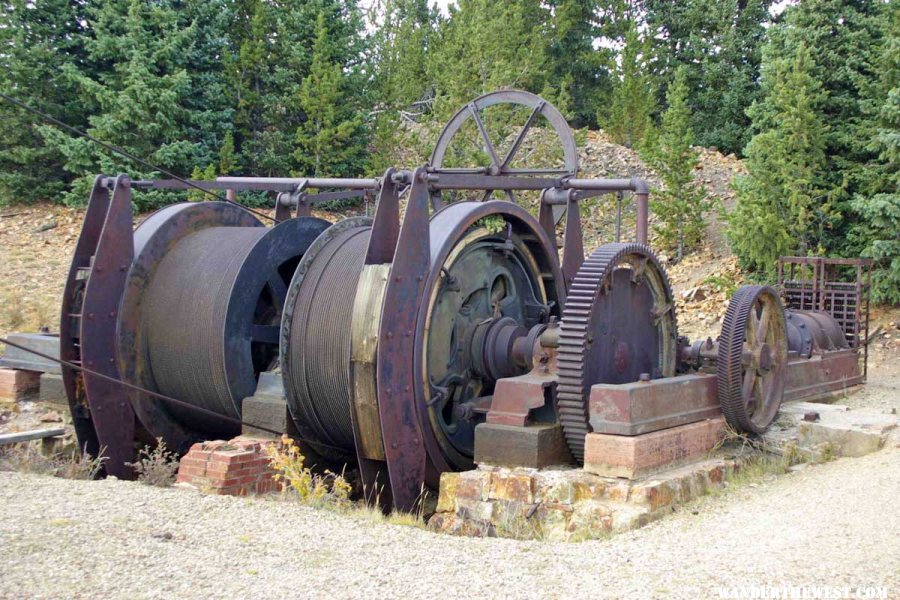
38	39
846	42
627	118
578	75
682	205
783	203
719	42
486	45
331	140
876	232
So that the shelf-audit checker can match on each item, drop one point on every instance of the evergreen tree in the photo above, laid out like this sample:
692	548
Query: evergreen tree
783	202
578	75
331	141
140	100
272	56
628	117
846	41
876	232
486	45
38	40
405	34
682	205
719	42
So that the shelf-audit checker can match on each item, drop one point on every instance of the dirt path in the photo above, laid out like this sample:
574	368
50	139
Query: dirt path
831	525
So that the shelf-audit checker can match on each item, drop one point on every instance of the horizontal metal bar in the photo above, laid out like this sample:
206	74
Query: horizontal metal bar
467	181
27	436
261	184
309	182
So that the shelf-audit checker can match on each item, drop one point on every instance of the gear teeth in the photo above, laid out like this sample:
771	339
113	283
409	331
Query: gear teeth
572	389
729	368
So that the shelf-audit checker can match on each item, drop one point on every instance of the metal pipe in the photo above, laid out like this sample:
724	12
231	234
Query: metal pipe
309	182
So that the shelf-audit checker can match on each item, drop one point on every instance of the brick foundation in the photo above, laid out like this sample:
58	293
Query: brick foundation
16	384
238	467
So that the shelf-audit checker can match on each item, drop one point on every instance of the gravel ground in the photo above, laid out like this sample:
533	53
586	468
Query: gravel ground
834	524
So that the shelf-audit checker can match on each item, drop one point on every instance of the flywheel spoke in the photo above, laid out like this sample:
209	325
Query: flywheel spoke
749	382
488	146
752	324
763	325
521	137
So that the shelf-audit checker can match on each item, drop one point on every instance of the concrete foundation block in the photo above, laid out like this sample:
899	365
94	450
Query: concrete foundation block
635	456
535	446
52	390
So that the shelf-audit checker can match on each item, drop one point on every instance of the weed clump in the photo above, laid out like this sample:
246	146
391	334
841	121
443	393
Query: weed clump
157	466
326	490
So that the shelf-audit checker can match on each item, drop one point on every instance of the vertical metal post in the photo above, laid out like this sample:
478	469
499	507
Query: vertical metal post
643	217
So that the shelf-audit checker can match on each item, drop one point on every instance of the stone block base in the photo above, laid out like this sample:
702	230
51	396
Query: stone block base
564	505
16	384
52	390
535	446
238	467
635	456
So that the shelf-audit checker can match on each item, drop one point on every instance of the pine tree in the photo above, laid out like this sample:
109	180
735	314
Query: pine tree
628	118
876	232
578	74
331	141
783	202
38	40
486	45
406	33
682	205
272	56
719	42
140	99
846	41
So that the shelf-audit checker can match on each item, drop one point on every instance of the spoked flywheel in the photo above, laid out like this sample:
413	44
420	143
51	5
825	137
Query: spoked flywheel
751	358
618	324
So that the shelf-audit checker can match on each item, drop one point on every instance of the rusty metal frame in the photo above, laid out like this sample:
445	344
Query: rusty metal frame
103	418
825	289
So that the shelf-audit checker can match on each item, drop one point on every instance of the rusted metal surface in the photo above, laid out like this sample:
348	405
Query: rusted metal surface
70	319
619	323
646	406
837	286
752	355
111	414
498	165
821	375
404	446
517	401
521	247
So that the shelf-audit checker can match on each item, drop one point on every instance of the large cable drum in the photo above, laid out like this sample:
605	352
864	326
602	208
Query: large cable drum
315	337
494	276
202	312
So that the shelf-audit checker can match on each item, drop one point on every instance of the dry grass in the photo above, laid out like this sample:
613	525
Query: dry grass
27	458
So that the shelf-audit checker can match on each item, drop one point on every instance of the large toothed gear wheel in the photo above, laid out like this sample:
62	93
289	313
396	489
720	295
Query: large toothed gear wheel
618	323
751	359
